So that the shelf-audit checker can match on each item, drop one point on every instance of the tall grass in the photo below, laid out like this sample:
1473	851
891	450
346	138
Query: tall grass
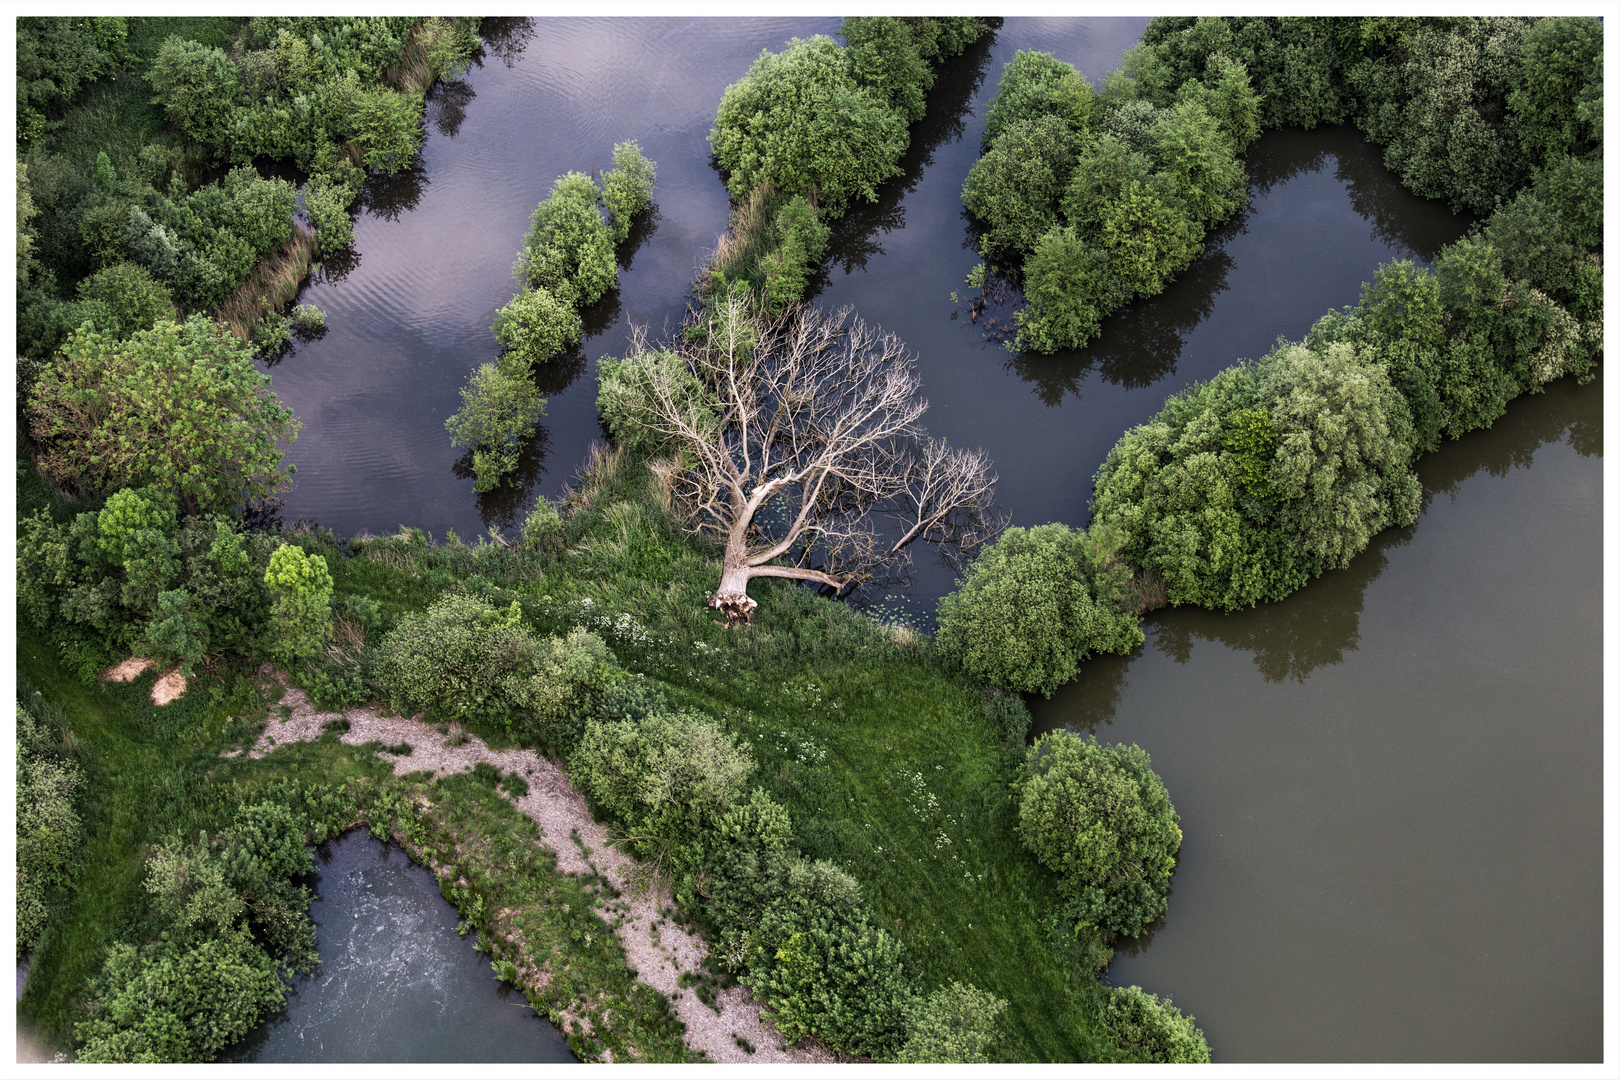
271	285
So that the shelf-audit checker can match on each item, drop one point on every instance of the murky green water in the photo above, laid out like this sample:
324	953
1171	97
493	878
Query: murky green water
396	982
1391	783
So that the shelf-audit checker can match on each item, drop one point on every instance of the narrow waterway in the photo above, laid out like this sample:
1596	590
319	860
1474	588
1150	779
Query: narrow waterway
1391	783
396	982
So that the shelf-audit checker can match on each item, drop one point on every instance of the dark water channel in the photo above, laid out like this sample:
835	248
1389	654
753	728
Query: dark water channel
396	982
1390	783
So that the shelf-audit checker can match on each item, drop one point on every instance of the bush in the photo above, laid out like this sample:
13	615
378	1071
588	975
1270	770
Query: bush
534	327
623	397
466	659
1035	85
1099	817
180	405
787	267
228	918
825	968
1027	612
48	827
569	248
198	86
666	778
124	298
301	611
499	410
800	122
627	188
955	1024
1149	1028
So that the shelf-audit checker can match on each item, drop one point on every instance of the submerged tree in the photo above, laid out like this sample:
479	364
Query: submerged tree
789	437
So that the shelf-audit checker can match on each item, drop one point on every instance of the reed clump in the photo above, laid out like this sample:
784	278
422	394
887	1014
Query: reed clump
272	284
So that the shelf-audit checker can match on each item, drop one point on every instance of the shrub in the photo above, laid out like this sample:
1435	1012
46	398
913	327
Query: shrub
124	298
307	319
499	410
1068	290
627	188
787	267
198	86
665	778
1099	817
1026	614
624	389
800	122
1149	1028
954	1024
48	827
543	529
534	327
470	660
1037	84
825	968
569	248
301	611
455	656
180	404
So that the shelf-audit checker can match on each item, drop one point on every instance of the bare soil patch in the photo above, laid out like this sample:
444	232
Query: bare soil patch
128	669
167	688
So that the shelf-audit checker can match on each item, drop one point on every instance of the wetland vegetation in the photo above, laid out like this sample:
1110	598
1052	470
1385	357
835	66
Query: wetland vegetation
846	809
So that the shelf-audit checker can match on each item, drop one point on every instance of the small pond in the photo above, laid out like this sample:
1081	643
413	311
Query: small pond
396	982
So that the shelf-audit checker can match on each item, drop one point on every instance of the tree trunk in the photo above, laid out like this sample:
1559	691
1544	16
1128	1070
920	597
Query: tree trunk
731	598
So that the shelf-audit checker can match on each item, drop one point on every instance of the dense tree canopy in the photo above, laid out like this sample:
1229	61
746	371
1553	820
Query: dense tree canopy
1100	818
179	406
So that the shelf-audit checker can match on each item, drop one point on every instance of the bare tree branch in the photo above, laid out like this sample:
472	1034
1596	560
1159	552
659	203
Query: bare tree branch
790	435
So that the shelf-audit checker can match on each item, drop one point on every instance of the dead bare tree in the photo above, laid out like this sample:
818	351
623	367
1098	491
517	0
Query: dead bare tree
790	435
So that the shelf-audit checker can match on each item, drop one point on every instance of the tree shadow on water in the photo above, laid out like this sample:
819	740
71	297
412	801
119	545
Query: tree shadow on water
504	38
1292	637
508	506
388	195
447	106
854	236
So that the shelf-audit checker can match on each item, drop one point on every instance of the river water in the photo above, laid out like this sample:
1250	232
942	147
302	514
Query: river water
396	982
1389	783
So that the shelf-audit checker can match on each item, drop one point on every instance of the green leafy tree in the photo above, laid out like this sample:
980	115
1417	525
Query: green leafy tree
534	327
499	410
1150	236
1100	818
1199	160
1150	1028
569	248
800	122
1560	57
883	57
627	188
1015	188
199	88
301	608
1037	84
179	405
1068	290
1026	614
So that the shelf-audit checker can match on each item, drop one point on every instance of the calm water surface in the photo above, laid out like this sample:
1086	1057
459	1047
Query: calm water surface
396	982
1389	783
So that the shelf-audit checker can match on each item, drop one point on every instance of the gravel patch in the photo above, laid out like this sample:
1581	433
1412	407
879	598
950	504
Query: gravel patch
658	956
